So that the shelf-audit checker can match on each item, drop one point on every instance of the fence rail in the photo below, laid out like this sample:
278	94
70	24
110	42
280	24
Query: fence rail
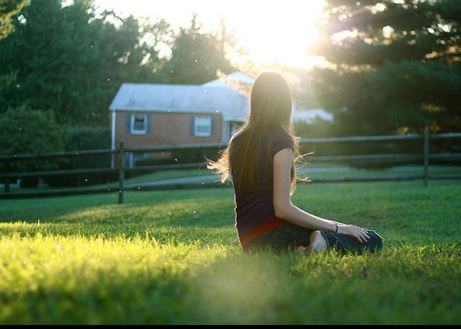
425	157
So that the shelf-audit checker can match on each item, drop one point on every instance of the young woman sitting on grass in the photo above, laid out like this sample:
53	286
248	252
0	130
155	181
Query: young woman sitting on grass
260	159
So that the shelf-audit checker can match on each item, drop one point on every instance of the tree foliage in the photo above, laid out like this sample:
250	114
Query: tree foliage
196	56
28	131
9	8
69	60
395	65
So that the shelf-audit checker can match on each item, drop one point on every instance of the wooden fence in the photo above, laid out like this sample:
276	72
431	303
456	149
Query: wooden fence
423	157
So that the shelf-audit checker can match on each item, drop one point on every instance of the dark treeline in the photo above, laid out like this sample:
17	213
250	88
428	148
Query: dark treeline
395	66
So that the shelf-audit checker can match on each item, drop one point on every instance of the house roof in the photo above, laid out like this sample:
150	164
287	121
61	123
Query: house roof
182	98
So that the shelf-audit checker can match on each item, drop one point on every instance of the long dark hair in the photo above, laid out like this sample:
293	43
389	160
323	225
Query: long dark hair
270	115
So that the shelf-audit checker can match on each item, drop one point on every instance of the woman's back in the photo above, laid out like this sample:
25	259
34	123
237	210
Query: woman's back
254	207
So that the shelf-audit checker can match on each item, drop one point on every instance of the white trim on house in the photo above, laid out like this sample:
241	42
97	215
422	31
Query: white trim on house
114	120
203	128
138	132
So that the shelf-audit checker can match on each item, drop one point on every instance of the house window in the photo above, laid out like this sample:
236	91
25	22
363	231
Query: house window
138	124
202	126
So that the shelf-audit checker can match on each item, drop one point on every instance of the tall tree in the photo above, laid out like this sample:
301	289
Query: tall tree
9	8
395	65
70	60
196	56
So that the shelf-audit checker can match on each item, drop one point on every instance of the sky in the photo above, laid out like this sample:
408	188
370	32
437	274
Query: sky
272	31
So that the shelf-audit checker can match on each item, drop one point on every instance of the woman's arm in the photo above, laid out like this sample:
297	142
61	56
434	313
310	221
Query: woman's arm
284	209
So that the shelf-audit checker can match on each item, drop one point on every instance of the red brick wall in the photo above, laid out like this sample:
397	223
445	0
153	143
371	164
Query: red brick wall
166	128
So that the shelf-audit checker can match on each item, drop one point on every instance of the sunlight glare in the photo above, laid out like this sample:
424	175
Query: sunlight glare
281	32
272	31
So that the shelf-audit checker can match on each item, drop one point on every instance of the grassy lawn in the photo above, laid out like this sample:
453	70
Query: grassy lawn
173	257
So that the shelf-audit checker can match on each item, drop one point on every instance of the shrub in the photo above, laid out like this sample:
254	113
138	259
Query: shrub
82	138
30	131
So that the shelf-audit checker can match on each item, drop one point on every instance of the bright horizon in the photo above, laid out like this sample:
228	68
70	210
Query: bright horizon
272	31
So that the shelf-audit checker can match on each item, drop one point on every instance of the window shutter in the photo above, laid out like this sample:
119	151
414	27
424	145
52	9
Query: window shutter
148	123
128	123
212	126
192	121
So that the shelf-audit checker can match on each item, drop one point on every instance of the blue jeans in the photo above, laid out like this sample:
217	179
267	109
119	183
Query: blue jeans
289	236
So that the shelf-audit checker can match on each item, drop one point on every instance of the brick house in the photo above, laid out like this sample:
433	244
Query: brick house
148	115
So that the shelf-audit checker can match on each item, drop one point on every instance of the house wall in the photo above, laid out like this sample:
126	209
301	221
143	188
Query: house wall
165	128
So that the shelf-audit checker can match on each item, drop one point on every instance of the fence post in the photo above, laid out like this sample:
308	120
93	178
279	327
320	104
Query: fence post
426	154
121	172
7	180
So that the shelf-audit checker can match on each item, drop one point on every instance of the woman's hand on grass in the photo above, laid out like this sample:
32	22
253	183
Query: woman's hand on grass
355	231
